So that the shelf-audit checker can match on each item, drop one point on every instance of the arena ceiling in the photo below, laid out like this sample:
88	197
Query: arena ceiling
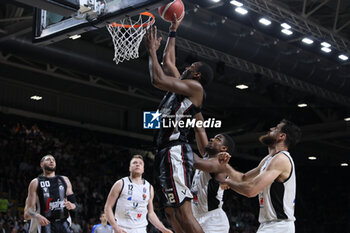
80	82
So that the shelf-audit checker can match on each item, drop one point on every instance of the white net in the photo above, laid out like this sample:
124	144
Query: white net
127	36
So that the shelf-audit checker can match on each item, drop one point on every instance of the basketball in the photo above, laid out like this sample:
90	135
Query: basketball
167	11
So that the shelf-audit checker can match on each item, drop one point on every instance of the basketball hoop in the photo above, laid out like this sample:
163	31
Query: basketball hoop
127	36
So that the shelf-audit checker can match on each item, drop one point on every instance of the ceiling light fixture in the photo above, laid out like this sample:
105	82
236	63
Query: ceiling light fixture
74	37
344	164
36	97
303	105
326	49
307	40
265	21
347	119
286	26
241	10
325	44
241	86
312	157
287	31
343	57
236	3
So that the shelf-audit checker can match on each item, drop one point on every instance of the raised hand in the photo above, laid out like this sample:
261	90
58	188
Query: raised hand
152	42
224	157
224	186
175	23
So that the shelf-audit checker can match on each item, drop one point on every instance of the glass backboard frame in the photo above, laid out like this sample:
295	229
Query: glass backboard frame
43	34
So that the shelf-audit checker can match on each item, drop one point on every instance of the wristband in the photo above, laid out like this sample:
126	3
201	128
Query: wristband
172	34
32	213
72	199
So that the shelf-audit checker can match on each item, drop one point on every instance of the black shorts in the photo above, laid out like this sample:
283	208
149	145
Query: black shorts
61	226
174	167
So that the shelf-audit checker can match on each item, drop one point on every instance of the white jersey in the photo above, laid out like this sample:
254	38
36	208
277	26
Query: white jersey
277	200
131	208
207	193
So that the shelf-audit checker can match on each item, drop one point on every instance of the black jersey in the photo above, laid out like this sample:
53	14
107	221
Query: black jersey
175	108
51	192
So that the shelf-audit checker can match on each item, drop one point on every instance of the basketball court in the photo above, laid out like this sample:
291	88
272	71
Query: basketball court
84	64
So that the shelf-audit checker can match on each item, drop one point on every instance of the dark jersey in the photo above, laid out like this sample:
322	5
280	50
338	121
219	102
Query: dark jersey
51	192
177	114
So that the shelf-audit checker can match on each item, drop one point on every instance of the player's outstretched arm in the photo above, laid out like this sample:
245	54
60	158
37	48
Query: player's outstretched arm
29	212
211	165
153	218
159	79
169	57
111	199
201	135
252	187
239	176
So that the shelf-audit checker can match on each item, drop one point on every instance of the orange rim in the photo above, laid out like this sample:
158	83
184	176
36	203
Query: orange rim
136	25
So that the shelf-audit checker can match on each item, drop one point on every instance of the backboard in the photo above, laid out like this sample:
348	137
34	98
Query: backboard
50	27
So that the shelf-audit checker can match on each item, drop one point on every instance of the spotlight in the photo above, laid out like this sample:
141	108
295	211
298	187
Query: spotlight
236	3
74	37
241	10
241	86
287	31
344	164
307	40
343	57
312	157
326	49
303	105
36	97
286	26
264	21
325	44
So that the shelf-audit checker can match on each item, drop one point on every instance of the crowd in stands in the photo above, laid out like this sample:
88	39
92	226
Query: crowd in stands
93	162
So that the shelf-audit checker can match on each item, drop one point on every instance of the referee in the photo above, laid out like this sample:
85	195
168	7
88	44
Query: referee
103	227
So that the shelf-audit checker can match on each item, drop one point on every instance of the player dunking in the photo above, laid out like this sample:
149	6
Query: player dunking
182	101
55	197
273	180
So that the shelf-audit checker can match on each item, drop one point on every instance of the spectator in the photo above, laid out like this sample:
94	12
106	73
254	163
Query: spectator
21	228
2	230
76	226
